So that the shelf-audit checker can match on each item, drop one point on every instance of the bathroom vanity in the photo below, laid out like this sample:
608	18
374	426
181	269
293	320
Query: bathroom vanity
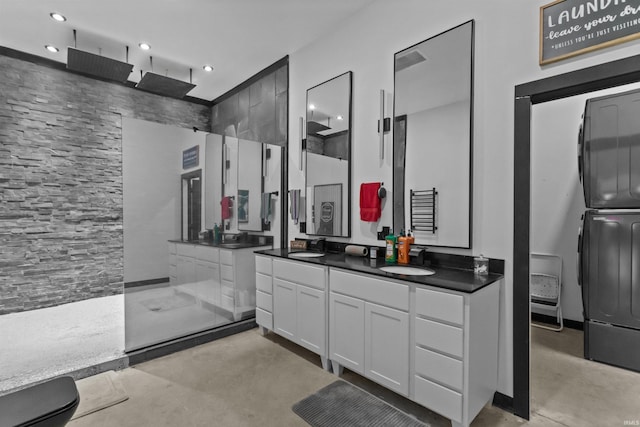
221	275
432	339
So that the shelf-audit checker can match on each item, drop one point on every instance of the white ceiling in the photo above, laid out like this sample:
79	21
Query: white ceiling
238	37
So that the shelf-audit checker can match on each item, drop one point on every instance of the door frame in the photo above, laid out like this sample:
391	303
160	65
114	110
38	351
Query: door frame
183	177
603	76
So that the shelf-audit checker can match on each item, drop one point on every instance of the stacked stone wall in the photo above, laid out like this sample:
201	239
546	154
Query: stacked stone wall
61	235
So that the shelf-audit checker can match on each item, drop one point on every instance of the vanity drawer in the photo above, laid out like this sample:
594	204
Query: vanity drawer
187	250
263	265
264	283
226	272
299	272
438	367
438	398
227	302
226	257
264	301
227	288
440	337
206	253
264	318
371	289
440	305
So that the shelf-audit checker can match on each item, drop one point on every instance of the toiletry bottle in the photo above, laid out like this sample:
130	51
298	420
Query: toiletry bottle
391	253
216	233
404	244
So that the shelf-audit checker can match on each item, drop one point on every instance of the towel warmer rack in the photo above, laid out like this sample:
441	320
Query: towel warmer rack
423	210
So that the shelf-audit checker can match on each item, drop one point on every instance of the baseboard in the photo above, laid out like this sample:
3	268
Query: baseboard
503	402
551	320
139	283
158	350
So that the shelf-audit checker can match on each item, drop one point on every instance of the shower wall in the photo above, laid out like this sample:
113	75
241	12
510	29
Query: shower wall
61	228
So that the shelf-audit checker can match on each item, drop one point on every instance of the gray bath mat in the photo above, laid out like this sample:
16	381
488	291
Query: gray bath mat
341	404
170	302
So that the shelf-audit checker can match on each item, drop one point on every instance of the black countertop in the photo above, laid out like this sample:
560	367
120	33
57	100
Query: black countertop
224	245
447	278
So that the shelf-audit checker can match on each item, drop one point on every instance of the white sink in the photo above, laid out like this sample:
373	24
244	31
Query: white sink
305	254
407	271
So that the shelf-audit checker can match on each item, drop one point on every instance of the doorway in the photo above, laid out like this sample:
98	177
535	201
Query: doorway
578	82
191	205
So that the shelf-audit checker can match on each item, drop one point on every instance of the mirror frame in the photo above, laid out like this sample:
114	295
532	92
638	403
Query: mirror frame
349	149
398	173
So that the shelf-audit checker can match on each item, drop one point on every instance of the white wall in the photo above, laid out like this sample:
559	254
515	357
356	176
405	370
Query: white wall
557	201
151	169
438	157
506	55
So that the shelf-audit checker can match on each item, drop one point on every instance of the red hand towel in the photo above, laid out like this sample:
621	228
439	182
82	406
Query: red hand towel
226	204
370	209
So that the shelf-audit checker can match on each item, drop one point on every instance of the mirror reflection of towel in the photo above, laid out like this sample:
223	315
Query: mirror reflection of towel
295	205
226	203
265	207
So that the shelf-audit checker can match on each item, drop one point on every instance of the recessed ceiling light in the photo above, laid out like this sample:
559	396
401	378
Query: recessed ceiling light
312	107
144	46
208	68
57	17
340	118
51	49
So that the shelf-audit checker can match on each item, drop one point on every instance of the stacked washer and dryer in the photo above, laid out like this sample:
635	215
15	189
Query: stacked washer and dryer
609	239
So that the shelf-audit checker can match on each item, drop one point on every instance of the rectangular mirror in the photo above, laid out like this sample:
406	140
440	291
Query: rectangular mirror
245	171
433	138
328	153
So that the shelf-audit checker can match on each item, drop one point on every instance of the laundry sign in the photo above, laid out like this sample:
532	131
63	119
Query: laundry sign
573	27
191	157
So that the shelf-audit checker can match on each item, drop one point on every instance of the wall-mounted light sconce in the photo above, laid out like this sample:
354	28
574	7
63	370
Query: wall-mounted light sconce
384	124
302	142
266	155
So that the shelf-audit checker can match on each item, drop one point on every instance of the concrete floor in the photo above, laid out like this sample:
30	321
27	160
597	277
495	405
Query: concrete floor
250	380
144	327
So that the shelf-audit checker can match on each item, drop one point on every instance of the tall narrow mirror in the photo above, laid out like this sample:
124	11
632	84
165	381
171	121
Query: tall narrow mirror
433	138
328	154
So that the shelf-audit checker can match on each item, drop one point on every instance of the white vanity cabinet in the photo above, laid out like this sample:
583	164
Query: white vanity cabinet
221	277
173	263
369	328
238	280
455	346
436	346
298	301
264	293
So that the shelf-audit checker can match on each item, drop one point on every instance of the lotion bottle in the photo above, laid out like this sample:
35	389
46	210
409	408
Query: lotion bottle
404	245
